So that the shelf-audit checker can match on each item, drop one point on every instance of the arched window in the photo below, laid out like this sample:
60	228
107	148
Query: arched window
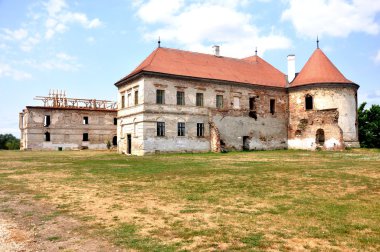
47	136
320	137
308	102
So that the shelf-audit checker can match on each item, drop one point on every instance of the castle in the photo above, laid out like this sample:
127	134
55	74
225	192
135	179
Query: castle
181	101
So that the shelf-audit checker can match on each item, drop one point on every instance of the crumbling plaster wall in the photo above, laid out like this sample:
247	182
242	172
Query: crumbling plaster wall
267	131
66	128
340	126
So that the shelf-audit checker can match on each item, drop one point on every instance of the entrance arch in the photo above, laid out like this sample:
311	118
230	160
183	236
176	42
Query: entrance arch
320	137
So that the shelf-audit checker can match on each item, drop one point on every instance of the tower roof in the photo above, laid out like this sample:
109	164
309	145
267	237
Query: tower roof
252	70
319	69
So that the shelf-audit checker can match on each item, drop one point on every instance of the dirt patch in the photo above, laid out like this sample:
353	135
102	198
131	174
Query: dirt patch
27	225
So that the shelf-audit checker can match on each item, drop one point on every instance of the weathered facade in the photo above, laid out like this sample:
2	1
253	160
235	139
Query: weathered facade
178	101
60	126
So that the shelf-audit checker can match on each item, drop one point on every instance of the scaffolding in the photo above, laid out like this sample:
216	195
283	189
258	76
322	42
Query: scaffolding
58	99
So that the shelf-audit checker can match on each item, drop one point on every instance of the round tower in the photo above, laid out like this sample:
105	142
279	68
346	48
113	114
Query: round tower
322	107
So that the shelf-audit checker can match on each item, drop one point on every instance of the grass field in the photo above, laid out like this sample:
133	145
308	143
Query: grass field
245	201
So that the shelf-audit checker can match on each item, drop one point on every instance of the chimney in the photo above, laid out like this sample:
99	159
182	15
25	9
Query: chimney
216	50
291	67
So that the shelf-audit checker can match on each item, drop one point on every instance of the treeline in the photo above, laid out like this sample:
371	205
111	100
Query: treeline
9	142
369	126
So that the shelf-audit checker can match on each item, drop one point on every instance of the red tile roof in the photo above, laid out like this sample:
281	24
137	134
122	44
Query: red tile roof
251	70
319	69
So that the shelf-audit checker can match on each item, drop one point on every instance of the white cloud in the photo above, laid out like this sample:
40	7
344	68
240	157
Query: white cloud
337	18
59	61
377	57
8	71
59	18
18	34
197	25
90	40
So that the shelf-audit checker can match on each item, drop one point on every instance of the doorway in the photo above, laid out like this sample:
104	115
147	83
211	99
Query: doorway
246	143
320	137
129	144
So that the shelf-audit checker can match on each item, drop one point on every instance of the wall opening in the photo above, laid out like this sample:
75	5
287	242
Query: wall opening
129	144
308	102
272	106
85	120
115	121
47	136
46	121
85	137
320	137
246	141
114	141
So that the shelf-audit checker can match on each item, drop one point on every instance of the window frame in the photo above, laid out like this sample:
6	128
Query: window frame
160	129
160	96
219	102
200	129
199	99
181	129
181	98
123	101
136	97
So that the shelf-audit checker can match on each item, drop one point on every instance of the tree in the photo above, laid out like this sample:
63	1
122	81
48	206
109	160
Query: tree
369	126
9	142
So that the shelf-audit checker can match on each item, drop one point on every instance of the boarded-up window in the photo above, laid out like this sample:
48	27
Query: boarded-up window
219	101
236	102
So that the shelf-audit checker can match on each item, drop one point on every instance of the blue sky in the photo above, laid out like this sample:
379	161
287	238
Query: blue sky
84	47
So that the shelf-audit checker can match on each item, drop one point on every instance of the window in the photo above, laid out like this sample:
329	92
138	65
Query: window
308	102
85	120
85	137
236	102
122	101
160	96
181	129
47	136
115	121
200	129
129	101
114	141
199	100
47	121
136	97
160	129
252	103
219	101
272	106
180	98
